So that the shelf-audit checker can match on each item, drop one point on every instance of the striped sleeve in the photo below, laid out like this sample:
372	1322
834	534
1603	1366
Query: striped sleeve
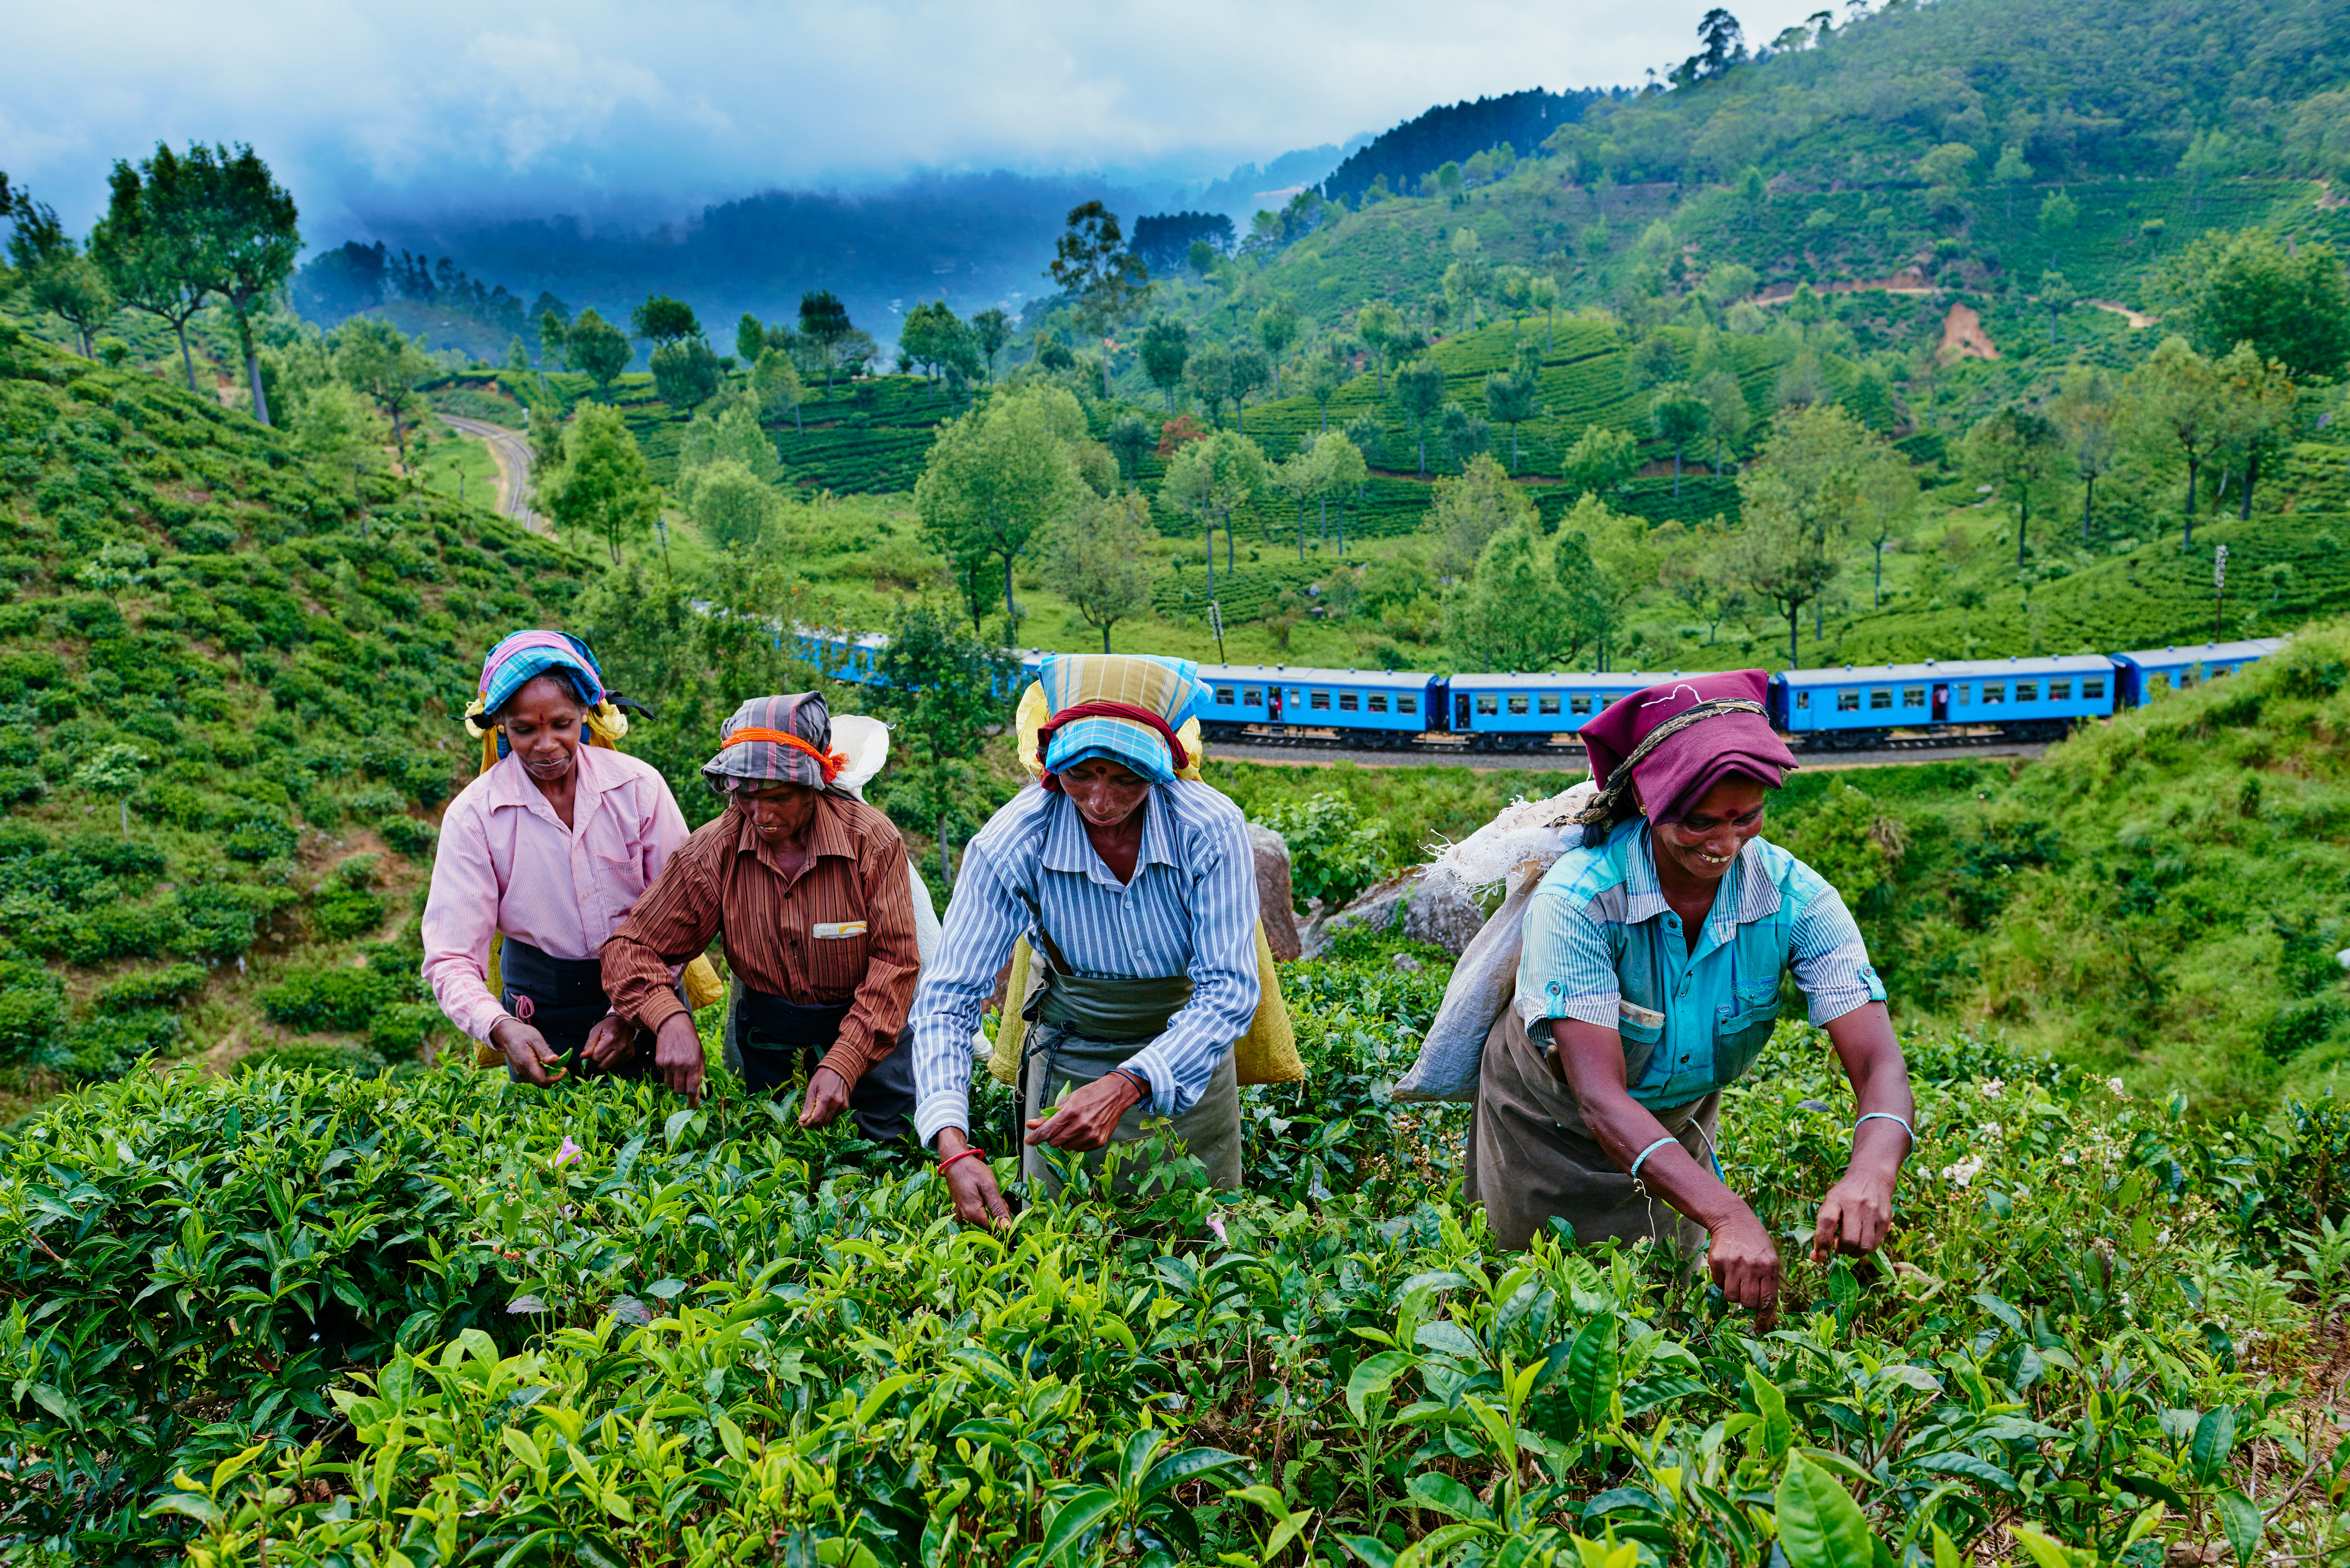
1566	968
985	919
1224	986
1830	960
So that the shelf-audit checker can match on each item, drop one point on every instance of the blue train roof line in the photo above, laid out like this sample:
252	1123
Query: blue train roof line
1305	675
1953	670
1575	680
2203	653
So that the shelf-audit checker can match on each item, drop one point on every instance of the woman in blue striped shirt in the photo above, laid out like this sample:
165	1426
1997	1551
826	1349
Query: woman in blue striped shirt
1648	980
1138	890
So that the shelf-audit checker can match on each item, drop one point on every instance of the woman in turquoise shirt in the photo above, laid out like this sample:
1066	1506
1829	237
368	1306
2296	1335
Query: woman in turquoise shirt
1649	980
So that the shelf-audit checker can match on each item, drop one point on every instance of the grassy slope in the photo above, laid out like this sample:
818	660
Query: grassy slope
286	661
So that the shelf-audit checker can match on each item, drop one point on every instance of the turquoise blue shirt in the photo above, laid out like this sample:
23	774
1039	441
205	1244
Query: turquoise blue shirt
1602	946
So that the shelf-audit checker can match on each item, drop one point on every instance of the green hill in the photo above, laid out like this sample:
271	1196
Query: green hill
228	686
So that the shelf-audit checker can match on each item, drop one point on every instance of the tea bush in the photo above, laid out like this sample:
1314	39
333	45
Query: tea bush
319	1318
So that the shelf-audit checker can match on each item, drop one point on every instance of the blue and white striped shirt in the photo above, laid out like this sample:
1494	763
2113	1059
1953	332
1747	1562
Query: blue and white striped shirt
1603	946
1190	910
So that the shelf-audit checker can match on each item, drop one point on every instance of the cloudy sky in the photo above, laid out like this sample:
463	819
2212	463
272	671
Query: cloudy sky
530	105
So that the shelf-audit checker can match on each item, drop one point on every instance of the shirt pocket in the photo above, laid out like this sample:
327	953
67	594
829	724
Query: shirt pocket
1742	1026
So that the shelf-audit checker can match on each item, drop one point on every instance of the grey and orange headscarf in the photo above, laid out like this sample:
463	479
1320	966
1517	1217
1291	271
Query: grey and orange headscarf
776	740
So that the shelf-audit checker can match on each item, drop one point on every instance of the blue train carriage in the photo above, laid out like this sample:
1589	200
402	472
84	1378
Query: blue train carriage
1368	707
2027	699
853	659
2151	672
1528	712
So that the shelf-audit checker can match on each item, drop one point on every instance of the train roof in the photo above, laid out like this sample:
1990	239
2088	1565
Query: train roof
1302	675
1952	670
1572	680
2203	653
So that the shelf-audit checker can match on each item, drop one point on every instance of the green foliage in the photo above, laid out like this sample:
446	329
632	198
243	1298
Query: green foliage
328	1001
1334	853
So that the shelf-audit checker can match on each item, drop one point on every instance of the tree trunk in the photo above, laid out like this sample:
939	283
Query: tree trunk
1229	545
1424	454
2023	526
1676	473
1211	520
1794	628
187	359
1106	626
1877	595
2251	477
2194	466
253	379
2088	506
1011	618
1513	446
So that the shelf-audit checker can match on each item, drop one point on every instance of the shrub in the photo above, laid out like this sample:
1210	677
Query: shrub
166	987
401	1029
119	931
261	839
107	1045
409	838
328	1001
1333	854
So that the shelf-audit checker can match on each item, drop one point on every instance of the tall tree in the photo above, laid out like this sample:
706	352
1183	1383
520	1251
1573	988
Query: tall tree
775	382
553	339
1166	349
1209	373
1105	282
597	349
989	330
57	277
1277	328
254	245
1251	372
685	374
1510	400
604	485
1101	560
1419	391
378	361
1796	498
1680	419
2017	448
1542	292
2087	411
1213	479
1468	509
1527	606
2258	410
1377	323
824	327
999	474
153	246
2173	410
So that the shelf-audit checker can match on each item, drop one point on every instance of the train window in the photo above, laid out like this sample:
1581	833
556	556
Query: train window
1802	699
1913	696
1224	696
1489	704
1406	704
2093	686
1880	697
1848	701
2218	670
1347	702
1517	704
1578	704
2027	691
1321	700
1546	704
1994	691
1965	696
1378	702
1252	698
2060	691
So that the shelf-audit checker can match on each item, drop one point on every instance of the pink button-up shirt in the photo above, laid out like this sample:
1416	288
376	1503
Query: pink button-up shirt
507	864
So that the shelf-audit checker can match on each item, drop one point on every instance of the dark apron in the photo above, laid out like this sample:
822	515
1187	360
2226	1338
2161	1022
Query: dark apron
1532	1159
563	999
780	1042
1084	1026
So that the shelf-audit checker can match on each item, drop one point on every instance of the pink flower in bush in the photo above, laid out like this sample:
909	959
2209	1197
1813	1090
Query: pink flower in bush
1216	1223
568	1152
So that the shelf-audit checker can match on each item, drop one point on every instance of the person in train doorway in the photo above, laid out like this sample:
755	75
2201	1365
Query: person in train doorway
548	849
806	890
1648	980
1137	889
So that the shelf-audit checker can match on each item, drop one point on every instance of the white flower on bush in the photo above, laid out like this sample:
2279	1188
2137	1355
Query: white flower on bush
1963	1171
2115	1085
1993	1088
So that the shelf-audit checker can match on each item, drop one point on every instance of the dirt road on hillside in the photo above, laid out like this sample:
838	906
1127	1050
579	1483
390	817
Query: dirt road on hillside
510	450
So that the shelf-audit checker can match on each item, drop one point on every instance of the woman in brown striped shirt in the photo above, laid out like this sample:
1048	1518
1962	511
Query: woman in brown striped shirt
806	887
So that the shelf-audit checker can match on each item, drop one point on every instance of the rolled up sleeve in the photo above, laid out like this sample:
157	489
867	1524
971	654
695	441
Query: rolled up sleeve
1830	960
1566	968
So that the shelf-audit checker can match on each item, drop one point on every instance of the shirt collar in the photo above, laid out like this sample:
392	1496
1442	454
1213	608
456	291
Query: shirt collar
1751	894
1066	848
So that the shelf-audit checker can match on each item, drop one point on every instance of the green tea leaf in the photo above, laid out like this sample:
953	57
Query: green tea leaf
1819	1525
1593	1370
1072	1518
1375	1375
2240	1518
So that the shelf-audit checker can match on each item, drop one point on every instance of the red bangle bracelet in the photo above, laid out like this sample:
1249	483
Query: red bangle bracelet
966	1153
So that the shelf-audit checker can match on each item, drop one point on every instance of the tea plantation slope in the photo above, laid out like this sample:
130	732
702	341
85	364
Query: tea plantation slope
308	1318
227	691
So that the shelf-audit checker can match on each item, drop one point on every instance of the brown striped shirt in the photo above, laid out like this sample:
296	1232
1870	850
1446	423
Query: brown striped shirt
727	882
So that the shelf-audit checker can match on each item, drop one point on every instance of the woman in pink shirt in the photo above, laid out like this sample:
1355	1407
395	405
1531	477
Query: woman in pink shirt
549	848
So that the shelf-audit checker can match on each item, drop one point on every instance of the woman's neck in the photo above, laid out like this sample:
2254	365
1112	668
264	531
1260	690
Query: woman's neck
1119	844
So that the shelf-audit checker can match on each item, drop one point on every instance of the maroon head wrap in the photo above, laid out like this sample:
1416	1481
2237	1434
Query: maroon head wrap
1678	741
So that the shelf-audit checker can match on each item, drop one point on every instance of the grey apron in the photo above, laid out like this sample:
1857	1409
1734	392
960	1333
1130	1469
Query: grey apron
1532	1158
1083	1026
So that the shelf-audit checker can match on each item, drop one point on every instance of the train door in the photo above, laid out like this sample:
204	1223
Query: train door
1941	704
1273	704
1460	713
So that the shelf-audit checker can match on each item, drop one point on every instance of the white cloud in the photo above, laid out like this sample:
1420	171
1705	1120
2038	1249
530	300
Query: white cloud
478	102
